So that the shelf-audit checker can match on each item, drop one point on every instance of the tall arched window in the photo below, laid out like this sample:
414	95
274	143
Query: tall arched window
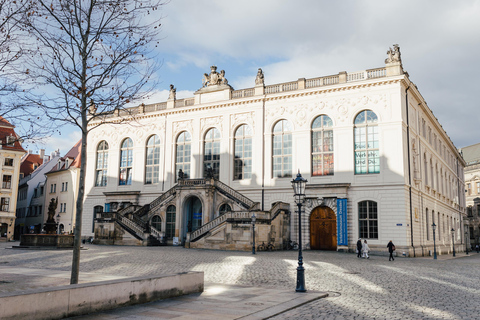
243	153
368	220
282	149
367	158
152	161
157	223
170	225
183	153
322	146
126	159
102	163
211	158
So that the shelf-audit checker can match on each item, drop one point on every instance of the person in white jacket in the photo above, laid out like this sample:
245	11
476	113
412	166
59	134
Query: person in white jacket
365	250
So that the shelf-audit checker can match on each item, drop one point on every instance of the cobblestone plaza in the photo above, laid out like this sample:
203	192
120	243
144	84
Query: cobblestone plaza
407	288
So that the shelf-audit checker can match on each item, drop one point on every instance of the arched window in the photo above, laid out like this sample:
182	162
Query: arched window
102	163
211	158
157	223
126	159
243	153
170	225
282	149
367	158
322	146
368	220
183	153
152	161
224	208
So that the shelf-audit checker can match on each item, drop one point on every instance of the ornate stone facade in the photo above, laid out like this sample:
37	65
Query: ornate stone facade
348	134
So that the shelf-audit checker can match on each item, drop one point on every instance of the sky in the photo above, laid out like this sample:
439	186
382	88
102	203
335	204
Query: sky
439	42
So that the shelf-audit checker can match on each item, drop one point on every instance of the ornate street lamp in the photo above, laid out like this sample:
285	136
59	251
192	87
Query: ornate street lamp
253	226
299	185
434	226
466	242
453	240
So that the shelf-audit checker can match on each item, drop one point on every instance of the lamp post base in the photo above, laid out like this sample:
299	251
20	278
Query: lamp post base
300	279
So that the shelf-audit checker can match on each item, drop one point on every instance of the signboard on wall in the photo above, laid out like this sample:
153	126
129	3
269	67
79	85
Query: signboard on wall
342	233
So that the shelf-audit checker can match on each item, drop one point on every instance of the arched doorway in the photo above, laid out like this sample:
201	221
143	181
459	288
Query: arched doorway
192	211
323	229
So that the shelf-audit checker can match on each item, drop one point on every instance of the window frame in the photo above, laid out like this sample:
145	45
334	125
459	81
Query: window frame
371	220
243	146
210	144
326	125
101	169
152	170
125	174
183	149
282	165
366	128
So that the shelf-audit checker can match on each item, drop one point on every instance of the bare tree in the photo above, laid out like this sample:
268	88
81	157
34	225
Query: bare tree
95	57
12	48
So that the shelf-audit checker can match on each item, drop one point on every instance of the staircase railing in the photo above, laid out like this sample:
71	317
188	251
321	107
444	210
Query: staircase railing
234	195
139	231
155	203
239	215
208	226
157	234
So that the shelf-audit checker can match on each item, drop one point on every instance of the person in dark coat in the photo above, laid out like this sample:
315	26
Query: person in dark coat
359	248
391	248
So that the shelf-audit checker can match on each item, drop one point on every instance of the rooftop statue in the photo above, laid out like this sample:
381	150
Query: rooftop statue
214	78
393	55
173	92
259	80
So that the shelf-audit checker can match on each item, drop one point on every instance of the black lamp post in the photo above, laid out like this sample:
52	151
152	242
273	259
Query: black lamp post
434	226
299	185
453	241
253	226
466	242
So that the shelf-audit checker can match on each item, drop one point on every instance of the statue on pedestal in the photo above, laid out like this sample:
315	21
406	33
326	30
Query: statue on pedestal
51	226
259	80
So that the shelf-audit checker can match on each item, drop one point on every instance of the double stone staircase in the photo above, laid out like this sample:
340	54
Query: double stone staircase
134	219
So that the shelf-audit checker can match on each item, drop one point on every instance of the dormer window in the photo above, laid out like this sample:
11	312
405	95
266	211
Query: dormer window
10	141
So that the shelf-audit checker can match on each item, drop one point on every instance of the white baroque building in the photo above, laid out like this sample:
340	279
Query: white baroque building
378	163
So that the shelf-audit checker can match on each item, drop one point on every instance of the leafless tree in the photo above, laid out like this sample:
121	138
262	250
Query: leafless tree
12	48
94	58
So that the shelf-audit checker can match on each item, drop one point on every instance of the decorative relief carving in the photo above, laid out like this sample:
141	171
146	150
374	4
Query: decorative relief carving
247	117
211	122
183	125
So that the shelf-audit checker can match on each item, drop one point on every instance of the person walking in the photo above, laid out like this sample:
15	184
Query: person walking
477	248
391	248
365	249
359	248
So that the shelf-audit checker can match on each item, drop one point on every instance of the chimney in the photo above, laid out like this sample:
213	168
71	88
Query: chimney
30	151
42	153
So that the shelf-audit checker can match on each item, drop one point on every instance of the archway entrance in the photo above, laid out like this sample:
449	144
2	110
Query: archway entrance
323	229
192	210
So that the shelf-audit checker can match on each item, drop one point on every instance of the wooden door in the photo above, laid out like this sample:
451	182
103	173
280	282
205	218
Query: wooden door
323	229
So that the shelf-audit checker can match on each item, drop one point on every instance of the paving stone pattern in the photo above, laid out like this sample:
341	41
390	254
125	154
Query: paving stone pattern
407	288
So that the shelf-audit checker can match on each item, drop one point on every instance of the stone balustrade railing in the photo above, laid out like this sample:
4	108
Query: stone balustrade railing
246	202
209	226
271	89
170	192
157	234
191	182
132	225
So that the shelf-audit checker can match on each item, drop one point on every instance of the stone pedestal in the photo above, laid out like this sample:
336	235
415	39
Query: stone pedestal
46	240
